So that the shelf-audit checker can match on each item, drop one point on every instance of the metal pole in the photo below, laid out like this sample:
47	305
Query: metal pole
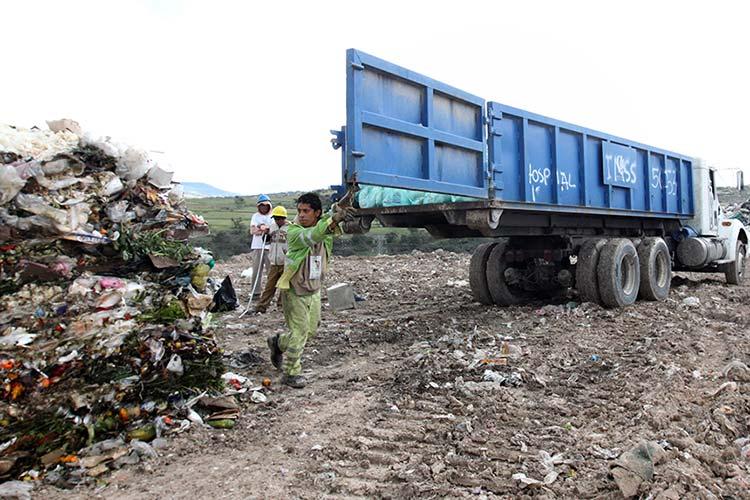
256	276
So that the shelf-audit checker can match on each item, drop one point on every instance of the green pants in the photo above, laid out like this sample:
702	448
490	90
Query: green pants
302	315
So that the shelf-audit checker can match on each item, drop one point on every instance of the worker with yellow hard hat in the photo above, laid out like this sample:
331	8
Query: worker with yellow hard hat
276	256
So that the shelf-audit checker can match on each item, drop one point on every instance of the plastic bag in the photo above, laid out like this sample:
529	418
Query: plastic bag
226	298
133	164
10	183
111	184
64	124
175	365
199	276
118	212
176	194
104	143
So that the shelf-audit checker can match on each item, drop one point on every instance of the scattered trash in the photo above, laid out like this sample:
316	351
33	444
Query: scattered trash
224	423
226	298
636	466
258	397
458	283
512	379
526	481
725	387
340	297
691	302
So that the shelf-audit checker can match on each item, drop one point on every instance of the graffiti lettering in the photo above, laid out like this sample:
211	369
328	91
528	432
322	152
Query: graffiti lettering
620	169
666	180
565	181
538	177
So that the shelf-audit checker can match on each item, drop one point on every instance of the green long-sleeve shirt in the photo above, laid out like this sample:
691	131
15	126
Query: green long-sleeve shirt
299	242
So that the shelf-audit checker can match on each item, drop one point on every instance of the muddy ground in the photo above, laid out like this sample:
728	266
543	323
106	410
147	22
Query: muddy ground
420	392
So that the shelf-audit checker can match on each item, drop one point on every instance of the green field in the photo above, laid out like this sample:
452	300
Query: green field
219	212
229	220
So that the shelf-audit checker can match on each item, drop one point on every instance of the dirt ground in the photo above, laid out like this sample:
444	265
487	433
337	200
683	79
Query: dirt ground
420	392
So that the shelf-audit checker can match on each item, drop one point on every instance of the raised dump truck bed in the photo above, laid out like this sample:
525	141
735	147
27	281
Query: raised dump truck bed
568	206
405	130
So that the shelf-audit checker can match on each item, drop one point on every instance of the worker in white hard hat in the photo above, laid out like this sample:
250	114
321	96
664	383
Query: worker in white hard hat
276	256
260	225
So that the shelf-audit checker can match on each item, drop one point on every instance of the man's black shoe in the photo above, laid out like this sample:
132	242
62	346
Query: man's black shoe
276	355
296	381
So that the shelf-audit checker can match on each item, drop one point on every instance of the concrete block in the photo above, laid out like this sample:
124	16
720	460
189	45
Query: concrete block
341	297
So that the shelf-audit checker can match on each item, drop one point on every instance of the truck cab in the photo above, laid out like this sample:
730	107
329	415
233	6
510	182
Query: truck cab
714	242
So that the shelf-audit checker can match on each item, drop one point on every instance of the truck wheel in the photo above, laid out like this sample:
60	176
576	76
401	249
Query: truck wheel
587	282
735	271
478	273
618	273
656	269
501	292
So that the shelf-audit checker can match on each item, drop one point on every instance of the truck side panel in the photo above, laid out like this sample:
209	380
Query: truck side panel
540	160
408	131
405	130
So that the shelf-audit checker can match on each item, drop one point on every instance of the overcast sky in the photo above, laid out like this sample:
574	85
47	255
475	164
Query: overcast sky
242	95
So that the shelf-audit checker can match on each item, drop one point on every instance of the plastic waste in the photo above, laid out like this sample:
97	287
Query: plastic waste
39	144
199	276
175	365
63	165
205	256
144	450
226	298
193	416
118	212
64	124
110	184
133	164
159	177
258	397
378	196
10	183
17	336
222	423
27	170
176	193
144	433
691	302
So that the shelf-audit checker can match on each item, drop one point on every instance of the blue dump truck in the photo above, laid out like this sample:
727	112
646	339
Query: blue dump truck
566	206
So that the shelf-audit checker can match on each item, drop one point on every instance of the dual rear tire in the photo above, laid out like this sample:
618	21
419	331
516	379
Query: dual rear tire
614	273
488	276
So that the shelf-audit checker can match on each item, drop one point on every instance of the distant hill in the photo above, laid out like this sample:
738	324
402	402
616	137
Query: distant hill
203	190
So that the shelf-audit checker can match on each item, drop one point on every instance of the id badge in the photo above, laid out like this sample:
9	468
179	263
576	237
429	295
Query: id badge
316	266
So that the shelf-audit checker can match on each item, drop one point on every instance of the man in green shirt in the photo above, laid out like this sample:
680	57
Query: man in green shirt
309	245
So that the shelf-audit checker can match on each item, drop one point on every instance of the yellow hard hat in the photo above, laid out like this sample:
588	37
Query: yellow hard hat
278	211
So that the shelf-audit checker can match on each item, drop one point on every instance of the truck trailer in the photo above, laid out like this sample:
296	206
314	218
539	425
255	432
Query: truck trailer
564	206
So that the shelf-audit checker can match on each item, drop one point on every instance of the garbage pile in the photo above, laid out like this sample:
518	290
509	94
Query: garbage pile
740	211
104	306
